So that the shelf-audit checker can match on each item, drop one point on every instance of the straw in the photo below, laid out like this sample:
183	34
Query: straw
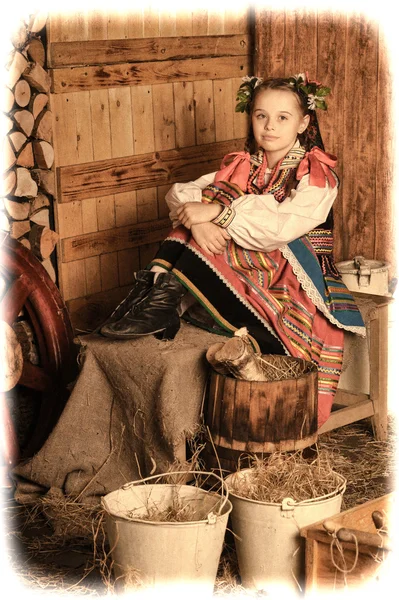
283	475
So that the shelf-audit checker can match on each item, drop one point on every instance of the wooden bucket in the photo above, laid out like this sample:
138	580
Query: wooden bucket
260	417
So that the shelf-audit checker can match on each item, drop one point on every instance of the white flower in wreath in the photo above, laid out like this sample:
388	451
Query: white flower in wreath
311	101
248	79
300	75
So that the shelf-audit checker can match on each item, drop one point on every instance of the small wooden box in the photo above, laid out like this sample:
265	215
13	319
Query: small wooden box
320	572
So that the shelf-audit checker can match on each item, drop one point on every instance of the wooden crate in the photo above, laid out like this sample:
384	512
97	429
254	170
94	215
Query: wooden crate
321	574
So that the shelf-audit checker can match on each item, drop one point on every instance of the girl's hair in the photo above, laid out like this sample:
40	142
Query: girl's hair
284	85
280	83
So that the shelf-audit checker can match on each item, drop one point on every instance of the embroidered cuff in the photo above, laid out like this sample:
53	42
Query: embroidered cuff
225	218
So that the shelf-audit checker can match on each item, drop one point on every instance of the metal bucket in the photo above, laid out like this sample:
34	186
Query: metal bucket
364	275
270	550
153	557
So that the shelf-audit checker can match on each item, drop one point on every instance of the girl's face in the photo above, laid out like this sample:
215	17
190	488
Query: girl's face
276	121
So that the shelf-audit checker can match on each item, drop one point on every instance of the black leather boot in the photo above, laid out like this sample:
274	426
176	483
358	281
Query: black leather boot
142	285
155	314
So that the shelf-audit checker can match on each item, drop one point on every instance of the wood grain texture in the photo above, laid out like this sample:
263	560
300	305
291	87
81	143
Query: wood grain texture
102	178
96	28
121	127
262	417
360	127
241	418
345	52
70	221
200	22
113	240
227	412
105	212
93	275
224	109
125	208
135	22
183	94
215	21
236	20
143	118
84	135
147	205
133	112
101	126
150	21
65	136
184	21
384	225
300	41
109	271
204	112
128	263
113	51
89	215
126	74
269	55
164	117
332	35
321	575
167	24
117	26
73	279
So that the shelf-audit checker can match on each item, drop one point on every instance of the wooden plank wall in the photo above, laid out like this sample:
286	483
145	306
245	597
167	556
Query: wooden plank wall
347	52
140	100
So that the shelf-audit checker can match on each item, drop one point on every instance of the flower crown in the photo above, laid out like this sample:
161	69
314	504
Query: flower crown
245	93
314	91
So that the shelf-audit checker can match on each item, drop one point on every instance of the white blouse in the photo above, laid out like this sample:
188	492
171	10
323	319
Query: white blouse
260	222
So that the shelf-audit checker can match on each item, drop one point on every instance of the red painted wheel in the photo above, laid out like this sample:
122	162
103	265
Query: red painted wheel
27	287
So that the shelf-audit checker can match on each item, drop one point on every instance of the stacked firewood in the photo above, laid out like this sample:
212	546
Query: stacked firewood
28	155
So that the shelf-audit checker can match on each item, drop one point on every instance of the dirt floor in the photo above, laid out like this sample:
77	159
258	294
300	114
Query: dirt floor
55	564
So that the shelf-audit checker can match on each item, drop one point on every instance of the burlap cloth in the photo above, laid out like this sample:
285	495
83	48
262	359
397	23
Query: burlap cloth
133	405
131	409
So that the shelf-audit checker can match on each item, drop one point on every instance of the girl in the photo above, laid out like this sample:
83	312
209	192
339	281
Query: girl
253	242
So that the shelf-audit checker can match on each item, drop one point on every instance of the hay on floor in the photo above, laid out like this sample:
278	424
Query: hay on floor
368	466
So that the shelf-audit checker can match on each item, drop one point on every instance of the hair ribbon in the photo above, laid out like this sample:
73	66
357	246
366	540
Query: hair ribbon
318	164
237	171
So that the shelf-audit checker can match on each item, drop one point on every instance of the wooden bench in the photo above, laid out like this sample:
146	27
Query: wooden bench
367	375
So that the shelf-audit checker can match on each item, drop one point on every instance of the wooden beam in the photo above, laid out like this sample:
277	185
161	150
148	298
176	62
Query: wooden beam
106	52
117	175
349	414
75	79
113	240
347	398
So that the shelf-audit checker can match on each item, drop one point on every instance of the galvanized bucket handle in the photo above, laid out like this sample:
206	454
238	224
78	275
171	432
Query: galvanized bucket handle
289	504
225	495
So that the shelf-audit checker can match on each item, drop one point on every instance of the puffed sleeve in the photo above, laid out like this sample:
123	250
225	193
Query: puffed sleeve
262	223
180	193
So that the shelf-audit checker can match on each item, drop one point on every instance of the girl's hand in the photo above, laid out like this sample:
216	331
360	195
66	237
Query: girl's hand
193	213
210	237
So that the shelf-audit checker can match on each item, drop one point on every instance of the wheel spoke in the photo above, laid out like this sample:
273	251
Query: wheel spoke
35	378
15	298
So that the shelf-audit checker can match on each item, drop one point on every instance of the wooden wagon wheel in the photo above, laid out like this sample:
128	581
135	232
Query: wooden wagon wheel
27	287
